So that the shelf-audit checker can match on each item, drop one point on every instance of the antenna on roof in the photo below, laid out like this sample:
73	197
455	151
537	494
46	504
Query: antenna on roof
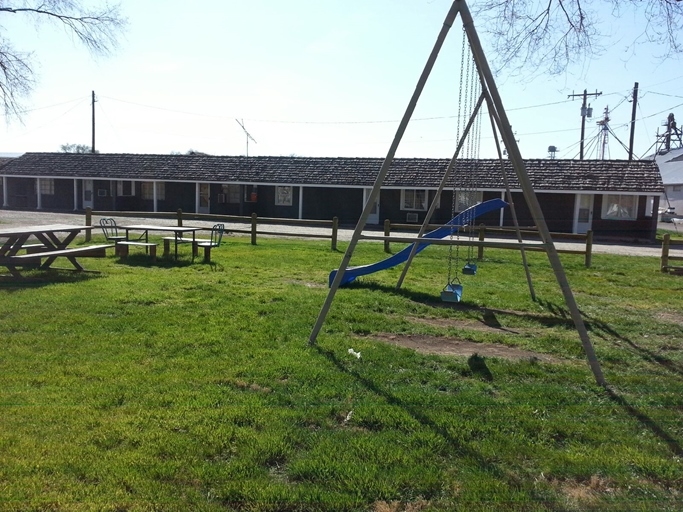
241	123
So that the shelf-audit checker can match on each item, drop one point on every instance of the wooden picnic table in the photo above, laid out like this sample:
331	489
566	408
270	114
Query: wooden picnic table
54	240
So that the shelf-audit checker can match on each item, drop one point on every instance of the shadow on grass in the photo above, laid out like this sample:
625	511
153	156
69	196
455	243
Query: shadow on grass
561	316
607	332
504	474
40	278
488	316
598	327
673	444
143	260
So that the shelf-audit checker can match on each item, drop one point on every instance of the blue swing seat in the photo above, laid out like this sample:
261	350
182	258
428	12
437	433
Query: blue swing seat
451	293
469	269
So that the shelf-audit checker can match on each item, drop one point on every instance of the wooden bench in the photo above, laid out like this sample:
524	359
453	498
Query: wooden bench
91	251
123	245
33	248
168	239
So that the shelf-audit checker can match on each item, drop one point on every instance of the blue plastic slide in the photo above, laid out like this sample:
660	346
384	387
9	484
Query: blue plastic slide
401	256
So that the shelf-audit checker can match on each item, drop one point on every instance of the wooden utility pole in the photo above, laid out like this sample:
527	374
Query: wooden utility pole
586	110
633	122
92	146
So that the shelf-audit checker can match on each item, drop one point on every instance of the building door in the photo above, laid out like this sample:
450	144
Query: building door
584	213
374	213
88	190
204	203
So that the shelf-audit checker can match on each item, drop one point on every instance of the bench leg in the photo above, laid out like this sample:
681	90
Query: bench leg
153	253
195	250
207	254
167	248
122	251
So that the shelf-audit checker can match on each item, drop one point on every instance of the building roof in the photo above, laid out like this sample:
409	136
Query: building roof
671	167
4	160
545	175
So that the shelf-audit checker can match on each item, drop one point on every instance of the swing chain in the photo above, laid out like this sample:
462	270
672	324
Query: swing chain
460	125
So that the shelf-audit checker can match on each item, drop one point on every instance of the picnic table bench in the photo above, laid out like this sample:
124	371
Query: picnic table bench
123	246
93	251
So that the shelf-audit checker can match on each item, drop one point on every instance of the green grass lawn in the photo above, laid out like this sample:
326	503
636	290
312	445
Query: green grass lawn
187	386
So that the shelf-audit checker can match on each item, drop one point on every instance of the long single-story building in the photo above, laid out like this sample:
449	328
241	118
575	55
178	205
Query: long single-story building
613	198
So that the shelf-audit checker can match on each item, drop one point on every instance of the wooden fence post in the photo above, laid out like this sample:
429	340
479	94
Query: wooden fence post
180	217
335	231
589	248
88	222
387	232
253	229
482	236
665	252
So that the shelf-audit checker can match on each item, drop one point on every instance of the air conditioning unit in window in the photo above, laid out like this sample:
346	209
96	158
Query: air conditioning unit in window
221	198
411	218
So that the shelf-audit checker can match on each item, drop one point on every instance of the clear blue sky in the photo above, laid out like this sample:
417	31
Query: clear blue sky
311	78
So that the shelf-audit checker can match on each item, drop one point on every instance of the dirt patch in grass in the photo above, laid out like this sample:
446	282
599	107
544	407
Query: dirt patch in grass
397	506
307	284
472	324
670	317
447	346
587	493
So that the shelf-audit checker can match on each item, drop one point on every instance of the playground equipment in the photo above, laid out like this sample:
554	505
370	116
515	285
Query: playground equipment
499	120
402	256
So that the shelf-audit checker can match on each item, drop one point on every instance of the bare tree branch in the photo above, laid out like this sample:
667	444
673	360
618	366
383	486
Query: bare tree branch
551	35
97	30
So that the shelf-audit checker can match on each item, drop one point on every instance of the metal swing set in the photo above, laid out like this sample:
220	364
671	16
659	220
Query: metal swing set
500	125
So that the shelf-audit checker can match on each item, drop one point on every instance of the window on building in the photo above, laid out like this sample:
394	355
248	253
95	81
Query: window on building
619	207
650	206
414	199
467	198
230	194
125	188
147	190
283	196
47	186
677	188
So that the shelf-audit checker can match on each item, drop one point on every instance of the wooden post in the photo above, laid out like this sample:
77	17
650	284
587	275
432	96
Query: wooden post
387	232
180	217
589	248
253	229
665	252
88	222
482	236
335	232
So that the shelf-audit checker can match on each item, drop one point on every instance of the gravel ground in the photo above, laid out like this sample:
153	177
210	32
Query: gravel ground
15	218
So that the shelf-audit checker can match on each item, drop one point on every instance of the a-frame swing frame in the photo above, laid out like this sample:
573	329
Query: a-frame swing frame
499	118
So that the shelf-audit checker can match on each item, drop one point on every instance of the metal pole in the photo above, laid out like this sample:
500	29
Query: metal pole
374	195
